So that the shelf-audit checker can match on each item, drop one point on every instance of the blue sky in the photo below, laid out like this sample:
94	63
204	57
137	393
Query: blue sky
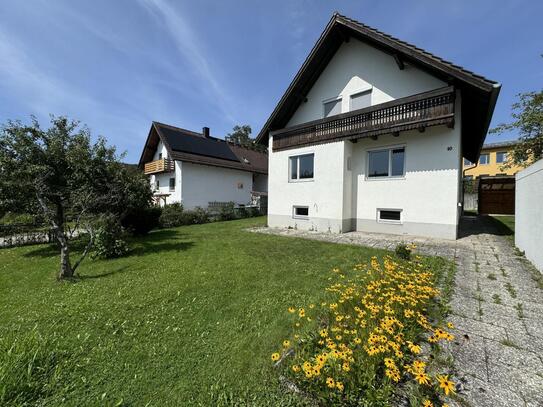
118	65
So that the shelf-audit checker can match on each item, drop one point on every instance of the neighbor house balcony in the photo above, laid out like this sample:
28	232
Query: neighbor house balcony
413	112
158	166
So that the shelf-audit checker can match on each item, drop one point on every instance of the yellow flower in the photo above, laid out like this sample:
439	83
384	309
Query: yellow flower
275	356
323	333
295	368
311	306
422	378
446	384
346	367
292	310
450	325
339	386
301	313
286	343
330	382
427	403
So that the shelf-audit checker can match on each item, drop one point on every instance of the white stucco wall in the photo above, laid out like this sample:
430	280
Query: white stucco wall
340	198
529	213
202	184
357	67
323	195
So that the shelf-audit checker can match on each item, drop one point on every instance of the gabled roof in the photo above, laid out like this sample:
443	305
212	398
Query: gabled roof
479	93
189	146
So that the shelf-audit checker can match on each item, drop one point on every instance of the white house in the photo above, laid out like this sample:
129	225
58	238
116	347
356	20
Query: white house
370	136
196	169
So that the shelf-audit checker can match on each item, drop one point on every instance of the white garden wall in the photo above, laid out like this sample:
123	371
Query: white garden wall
529	213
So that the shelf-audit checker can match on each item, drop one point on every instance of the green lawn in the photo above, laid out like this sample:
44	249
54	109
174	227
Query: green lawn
505	224
189	318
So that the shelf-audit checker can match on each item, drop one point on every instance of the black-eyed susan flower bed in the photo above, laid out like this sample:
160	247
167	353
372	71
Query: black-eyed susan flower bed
365	342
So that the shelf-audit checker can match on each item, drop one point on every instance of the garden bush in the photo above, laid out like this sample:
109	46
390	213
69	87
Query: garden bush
108	242
403	251
140	221
172	216
227	212
200	215
367	338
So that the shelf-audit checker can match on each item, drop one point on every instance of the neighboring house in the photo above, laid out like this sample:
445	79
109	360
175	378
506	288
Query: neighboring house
197	169
493	156
370	136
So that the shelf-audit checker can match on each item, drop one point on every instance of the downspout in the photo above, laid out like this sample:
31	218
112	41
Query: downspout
463	178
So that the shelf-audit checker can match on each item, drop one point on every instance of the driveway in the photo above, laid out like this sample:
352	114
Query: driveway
496	307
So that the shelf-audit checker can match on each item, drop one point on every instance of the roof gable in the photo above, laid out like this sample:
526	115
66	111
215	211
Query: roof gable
479	93
186	145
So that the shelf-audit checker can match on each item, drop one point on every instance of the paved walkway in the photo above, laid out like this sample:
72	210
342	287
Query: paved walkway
497	309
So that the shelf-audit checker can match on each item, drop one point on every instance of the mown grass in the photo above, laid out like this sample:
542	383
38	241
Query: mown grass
188	318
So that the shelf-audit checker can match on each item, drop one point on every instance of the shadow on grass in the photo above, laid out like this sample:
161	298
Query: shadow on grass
162	240
117	270
476	225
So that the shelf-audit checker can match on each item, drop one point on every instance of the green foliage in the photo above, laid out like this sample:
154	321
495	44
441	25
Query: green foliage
198	216
190	299
240	135
13	218
140	221
403	251
108	242
528	123
172	216
227	212
29	369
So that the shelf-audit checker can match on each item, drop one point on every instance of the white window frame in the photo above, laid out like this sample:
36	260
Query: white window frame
389	176
295	216
335	98
488	161
395	222
358	92
504	158
290	157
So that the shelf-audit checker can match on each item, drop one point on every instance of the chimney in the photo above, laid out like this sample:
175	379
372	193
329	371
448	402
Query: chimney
205	132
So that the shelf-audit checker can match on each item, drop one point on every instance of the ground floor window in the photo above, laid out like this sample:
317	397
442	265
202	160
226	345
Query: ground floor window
389	215
388	162
301	167
300	212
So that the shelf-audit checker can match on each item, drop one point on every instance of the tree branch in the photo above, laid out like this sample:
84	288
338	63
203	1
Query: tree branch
86	251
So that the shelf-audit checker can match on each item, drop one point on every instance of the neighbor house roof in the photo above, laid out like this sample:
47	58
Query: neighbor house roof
500	144
479	94
193	147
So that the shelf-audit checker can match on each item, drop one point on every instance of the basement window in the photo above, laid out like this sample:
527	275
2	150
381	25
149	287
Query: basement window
300	212
389	215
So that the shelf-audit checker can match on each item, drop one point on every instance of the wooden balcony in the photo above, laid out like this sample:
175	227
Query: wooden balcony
413	112
158	166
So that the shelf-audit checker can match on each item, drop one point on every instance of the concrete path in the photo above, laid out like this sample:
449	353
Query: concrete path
497	309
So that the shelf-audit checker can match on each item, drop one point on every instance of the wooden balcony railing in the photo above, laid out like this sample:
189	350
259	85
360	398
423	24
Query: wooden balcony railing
413	112
162	165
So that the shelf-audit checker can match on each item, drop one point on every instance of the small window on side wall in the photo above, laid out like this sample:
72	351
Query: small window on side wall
172	184
360	100
389	215
300	212
501	156
484	159
301	167
332	107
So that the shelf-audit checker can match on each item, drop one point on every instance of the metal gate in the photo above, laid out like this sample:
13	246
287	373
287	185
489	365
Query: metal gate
497	195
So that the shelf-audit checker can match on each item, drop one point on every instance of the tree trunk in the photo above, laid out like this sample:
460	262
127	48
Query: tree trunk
66	270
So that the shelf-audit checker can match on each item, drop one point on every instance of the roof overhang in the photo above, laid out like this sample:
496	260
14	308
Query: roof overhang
478	94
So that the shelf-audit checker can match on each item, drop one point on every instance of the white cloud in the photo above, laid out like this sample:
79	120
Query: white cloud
188	44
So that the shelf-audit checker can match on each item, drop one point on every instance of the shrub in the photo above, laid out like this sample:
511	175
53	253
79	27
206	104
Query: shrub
172	216
355	348
140	221
108	242
12	218
403	251
227	212
253	211
29	369
200	215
